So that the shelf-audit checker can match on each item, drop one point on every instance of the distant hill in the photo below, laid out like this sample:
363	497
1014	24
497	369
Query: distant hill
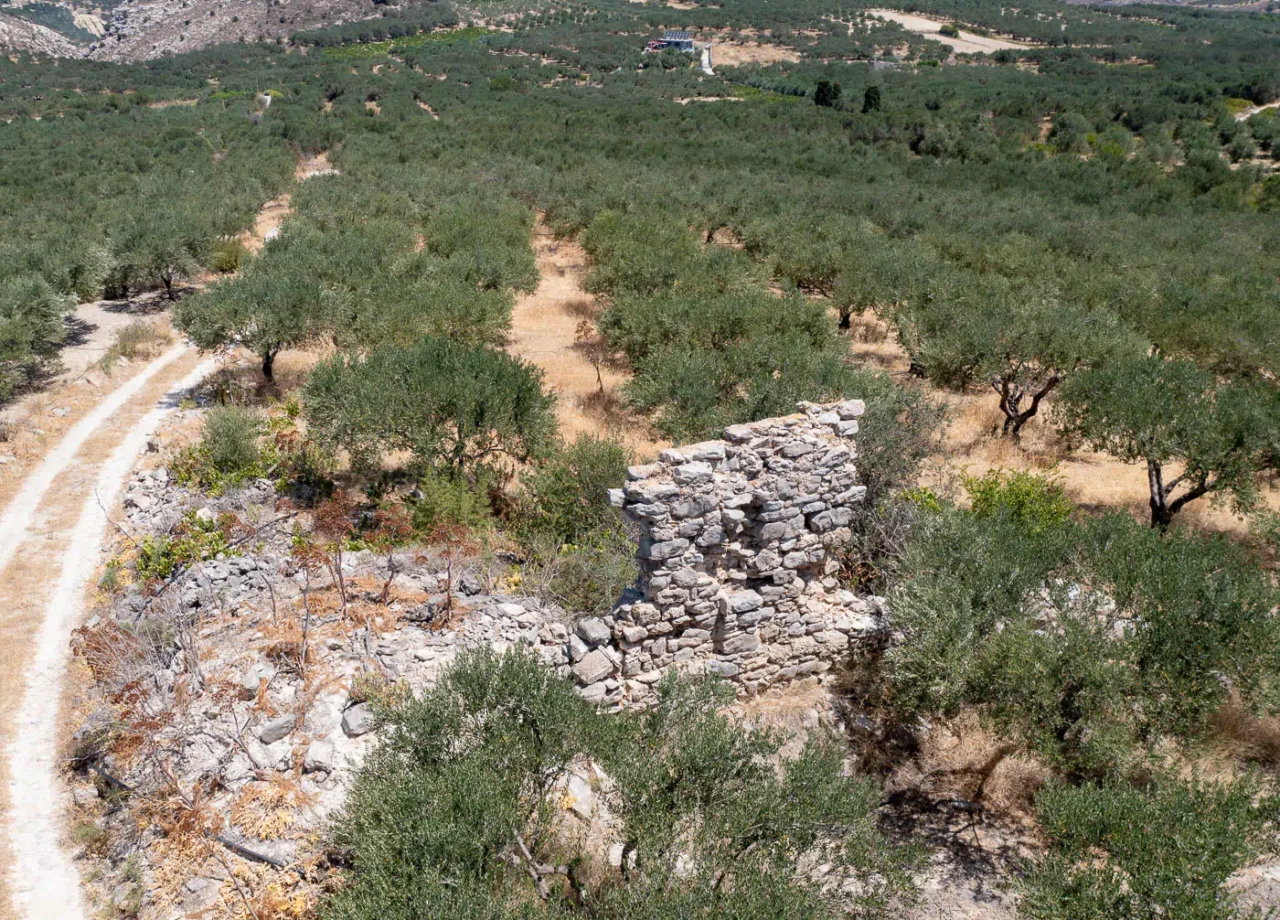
18	34
131	30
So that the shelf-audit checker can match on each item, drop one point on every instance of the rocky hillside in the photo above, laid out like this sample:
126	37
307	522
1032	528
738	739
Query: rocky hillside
142	29
133	30
20	35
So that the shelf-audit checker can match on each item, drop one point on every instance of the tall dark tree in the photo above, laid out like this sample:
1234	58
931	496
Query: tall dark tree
871	99
827	94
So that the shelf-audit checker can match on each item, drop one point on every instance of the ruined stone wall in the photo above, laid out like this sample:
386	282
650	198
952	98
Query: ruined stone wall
737	577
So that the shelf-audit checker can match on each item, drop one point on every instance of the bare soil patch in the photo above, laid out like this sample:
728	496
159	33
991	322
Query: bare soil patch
1254	110
736	54
965	43
685	100
546	330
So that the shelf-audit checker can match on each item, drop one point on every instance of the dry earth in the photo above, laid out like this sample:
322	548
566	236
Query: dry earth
275	211
34	422
737	54
1255	109
545	331
966	43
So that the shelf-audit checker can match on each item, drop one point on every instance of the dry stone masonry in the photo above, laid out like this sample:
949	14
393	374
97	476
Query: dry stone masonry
737	576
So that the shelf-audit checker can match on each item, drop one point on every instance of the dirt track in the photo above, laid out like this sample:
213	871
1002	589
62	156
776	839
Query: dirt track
965	43
544	331
50	533
52	520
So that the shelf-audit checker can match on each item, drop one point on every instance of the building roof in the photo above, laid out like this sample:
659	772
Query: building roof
678	37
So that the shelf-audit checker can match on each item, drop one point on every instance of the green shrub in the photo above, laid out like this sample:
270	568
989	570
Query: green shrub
1088	641
1036	502
566	494
194	539
467	780
450	405
230	451
1126	853
584	577
228	255
231	435
442	498
31	328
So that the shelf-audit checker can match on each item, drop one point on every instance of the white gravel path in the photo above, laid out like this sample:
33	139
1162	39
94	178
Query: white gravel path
44	880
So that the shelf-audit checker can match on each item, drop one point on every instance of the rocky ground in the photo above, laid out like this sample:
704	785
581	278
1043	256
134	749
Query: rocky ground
222	711
233	701
142	29
19	35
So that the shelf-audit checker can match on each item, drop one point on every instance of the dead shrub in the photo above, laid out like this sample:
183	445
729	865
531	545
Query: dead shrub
581	307
1253	739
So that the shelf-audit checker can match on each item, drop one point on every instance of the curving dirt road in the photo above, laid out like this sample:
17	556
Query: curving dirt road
50	533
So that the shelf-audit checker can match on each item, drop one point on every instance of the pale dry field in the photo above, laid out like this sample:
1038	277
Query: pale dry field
736	54
967	43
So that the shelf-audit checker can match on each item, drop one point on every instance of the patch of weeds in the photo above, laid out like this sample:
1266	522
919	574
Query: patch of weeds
586	577
193	540
228	256
113	579
442	499
378	690
1039	503
230	452
138	339
90	837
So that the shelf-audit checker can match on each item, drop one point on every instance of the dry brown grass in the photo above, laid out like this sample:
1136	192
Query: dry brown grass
545	331
737	54
1246	737
963	761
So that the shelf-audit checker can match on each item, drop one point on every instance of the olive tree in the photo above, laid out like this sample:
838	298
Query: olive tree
1160	413
460	811
31	327
447	404
1020	345
160	241
265	310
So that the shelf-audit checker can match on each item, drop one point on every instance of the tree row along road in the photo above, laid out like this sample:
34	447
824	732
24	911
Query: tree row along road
50	533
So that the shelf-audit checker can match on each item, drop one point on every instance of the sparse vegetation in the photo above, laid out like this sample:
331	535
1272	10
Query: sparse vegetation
230	452
139	339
